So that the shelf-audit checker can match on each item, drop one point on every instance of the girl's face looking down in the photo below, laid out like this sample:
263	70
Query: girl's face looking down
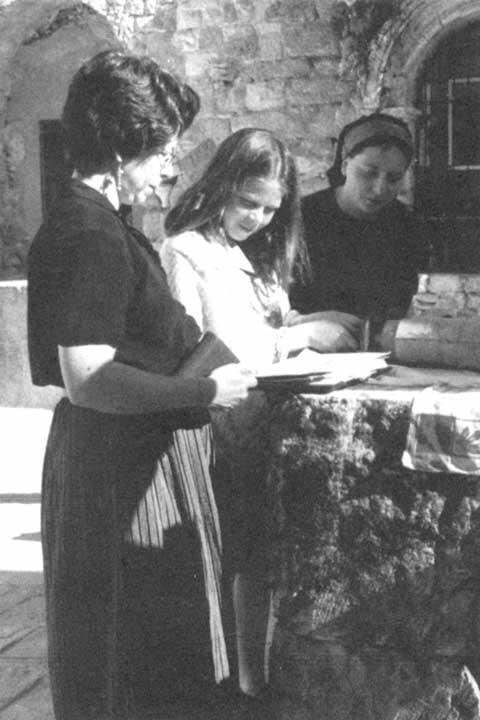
373	179
251	208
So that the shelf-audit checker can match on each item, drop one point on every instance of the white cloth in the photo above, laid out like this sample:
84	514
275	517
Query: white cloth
444	431
217	286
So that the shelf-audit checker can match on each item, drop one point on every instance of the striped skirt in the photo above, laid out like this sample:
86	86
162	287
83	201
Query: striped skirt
132	564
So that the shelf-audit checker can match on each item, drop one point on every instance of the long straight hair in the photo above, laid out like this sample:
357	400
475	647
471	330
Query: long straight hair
250	153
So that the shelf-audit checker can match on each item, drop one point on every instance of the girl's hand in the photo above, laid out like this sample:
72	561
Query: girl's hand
233	383
329	336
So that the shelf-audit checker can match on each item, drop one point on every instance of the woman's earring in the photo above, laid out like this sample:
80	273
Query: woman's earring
118	173
118	177
199	201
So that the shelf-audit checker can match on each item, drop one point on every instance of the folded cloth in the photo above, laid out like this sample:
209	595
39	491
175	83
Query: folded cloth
444	431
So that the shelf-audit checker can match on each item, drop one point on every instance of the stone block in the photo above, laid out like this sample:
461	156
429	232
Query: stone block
209	37
142	23
187	19
244	11
198	64
471	283
473	304
241	41
230	13
311	166
315	40
287	68
150	7
186	41
300	11
230	100
215	129
160	47
321	123
165	19
286	125
135	7
443	283
265	95
270	43
318	90
448	304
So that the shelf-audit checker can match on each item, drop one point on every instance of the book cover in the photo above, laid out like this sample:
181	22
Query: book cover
209	353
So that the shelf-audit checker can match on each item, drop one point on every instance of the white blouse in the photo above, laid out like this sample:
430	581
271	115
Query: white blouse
217	285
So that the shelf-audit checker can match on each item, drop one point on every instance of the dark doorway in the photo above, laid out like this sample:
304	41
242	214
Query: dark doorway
447	189
55	168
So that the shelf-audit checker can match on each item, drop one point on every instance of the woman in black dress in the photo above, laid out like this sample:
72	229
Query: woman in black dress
129	522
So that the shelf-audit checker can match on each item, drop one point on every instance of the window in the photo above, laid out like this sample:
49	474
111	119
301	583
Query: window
448	150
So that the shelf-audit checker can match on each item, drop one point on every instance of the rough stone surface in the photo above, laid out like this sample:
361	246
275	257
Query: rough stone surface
447	295
286	62
377	565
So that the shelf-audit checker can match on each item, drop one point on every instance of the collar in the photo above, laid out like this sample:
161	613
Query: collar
232	250
85	192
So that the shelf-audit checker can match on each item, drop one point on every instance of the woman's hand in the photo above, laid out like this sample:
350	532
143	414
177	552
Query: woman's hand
233	383
351	323
330	336
324	335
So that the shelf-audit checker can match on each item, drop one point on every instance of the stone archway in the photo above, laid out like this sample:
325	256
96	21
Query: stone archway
401	52
45	45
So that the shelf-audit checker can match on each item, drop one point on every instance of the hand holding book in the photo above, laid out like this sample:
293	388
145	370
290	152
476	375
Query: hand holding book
212	358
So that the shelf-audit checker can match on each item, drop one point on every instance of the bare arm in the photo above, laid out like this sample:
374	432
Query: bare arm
95	380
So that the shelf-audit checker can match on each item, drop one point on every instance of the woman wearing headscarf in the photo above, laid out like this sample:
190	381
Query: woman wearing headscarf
365	246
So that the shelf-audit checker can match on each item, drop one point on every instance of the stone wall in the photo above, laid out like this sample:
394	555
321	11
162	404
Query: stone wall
299	67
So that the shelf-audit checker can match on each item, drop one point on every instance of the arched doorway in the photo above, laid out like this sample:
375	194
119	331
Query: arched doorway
447	177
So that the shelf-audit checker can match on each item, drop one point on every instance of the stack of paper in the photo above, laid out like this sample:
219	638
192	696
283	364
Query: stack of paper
311	371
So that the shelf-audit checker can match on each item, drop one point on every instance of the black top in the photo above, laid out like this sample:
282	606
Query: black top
93	279
366	268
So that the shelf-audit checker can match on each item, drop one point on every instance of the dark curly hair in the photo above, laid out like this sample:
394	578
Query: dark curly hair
246	154
124	105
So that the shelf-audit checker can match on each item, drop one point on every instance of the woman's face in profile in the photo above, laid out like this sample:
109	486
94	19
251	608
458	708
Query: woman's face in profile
142	176
251	208
373	179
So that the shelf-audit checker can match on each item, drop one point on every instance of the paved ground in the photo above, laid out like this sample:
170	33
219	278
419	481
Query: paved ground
24	686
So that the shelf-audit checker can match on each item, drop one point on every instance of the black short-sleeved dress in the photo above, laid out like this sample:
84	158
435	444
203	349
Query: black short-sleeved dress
128	622
362	267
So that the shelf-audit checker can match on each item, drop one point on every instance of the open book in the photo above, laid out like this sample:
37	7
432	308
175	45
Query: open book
311	371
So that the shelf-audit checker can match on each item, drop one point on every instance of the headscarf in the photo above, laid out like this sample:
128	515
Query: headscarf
369	130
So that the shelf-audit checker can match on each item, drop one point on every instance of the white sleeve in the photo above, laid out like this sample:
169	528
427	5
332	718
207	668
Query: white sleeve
183	281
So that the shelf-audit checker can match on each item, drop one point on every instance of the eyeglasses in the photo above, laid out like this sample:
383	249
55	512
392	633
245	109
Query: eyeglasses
169	156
